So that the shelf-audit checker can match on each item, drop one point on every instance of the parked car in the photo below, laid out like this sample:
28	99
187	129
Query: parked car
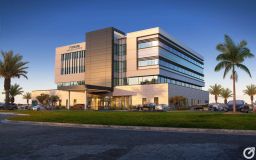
38	108
2	105
77	107
162	107
23	107
197	107
218	107
240	106
149	106
11	106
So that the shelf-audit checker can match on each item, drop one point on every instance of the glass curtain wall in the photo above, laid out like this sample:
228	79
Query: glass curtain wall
73	62
169	58
119	59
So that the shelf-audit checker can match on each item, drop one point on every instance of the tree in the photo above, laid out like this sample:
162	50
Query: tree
231	58
11	66
14	91
216	91
43	99
54	99
27	96
250	91
225	94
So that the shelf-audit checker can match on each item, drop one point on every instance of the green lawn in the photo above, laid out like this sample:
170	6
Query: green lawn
166	119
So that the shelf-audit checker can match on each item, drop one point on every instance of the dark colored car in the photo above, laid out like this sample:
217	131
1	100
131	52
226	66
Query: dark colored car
148	106
240	106
12	106
77	107
2	105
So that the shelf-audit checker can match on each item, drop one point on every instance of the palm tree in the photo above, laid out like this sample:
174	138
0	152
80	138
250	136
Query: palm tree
14	91
231	58
215	90
27	96
43	99
53	99
250	91
225	94
11	66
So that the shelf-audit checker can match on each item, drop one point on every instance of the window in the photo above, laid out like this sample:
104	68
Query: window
169	65
171	48
176	59
73	83
144	101
151	62
156	100
148	44
159	79
73	62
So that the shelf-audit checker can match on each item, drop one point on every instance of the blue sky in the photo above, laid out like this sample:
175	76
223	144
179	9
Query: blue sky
34	28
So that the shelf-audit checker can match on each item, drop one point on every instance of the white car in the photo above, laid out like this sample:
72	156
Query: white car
38	108
162	107
217	107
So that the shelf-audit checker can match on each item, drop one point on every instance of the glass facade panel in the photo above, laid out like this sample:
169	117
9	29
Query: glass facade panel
150	62
119	59
171	58
176	59
154	43
148	44
180	70
159	79
73	83
73	62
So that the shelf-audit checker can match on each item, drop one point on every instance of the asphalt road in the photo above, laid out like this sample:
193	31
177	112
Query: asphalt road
31	142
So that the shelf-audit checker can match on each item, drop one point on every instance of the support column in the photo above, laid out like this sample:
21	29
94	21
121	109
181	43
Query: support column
68	99
85	100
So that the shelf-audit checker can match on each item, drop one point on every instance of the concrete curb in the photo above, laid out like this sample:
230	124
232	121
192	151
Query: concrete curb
12	114
139	128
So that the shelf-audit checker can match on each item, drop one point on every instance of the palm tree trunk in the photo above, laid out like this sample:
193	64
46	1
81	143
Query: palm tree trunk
28	101
225	100
216	98
7	85
234	90
252	101
12	100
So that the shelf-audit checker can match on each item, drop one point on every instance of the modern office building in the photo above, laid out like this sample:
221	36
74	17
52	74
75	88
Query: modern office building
112	68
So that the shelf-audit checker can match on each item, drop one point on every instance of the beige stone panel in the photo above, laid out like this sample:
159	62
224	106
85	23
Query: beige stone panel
148	67
143	72
144	32
71	48
144	91
132	69
148	52
66	49
148	37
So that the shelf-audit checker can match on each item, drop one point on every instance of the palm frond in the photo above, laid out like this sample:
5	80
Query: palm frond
244	68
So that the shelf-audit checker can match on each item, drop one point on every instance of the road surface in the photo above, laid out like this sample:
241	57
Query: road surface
35	142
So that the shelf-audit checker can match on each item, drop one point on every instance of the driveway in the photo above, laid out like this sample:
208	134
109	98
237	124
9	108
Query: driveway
32	142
